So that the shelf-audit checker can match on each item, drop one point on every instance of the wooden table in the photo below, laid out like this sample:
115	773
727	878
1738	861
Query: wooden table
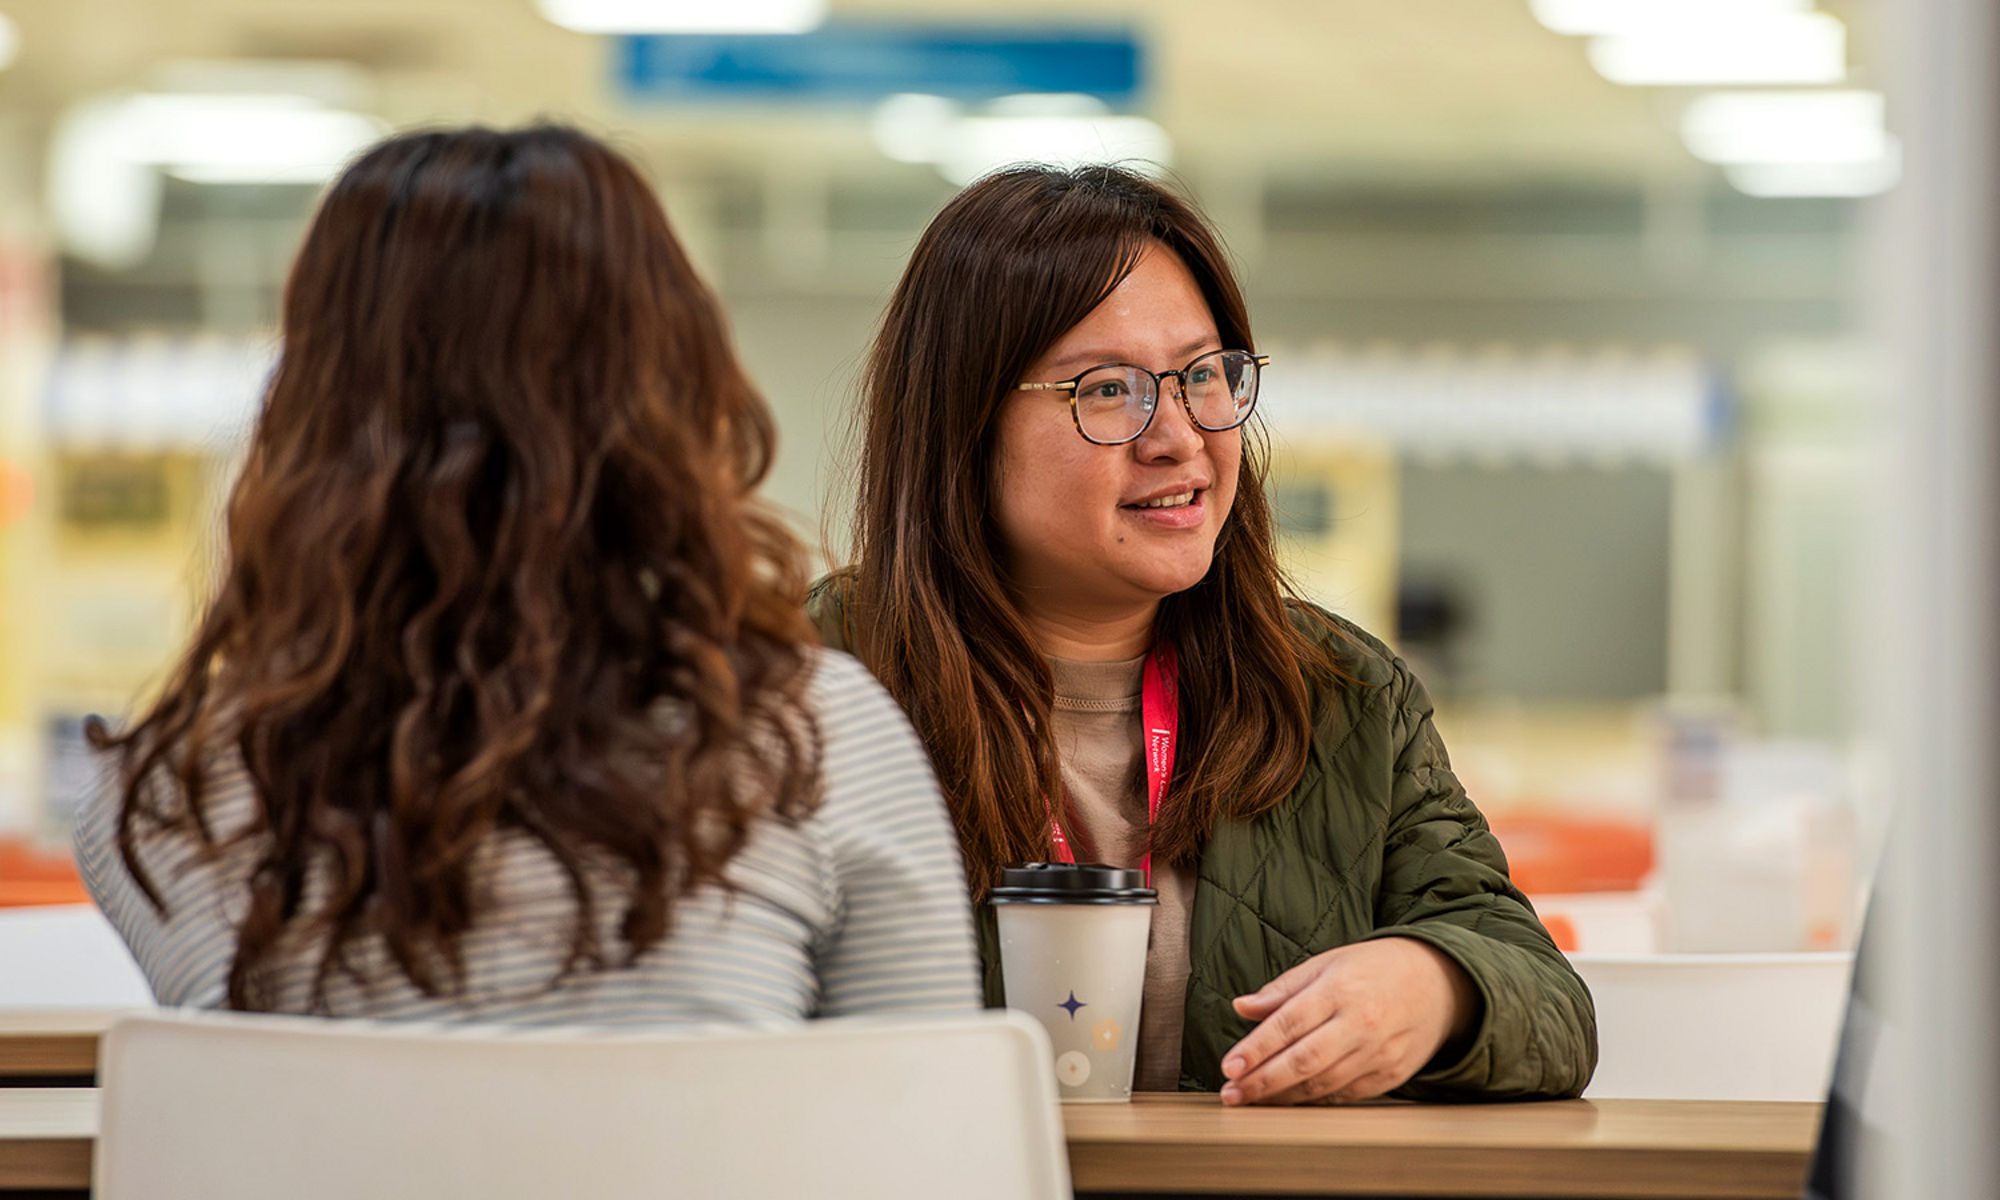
46	1135
52	1044
1654	1149
1191	1145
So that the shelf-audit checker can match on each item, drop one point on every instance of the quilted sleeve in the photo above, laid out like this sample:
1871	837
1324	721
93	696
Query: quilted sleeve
1444	881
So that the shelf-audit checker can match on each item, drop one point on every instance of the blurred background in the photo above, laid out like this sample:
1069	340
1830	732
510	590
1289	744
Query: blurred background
1569	394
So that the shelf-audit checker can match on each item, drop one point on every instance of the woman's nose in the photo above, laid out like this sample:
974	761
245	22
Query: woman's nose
1172	435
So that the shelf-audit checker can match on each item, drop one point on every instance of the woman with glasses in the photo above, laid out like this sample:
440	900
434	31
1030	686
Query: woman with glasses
1065	573
505	708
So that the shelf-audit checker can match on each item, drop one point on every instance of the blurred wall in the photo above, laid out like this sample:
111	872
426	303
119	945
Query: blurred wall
1565	569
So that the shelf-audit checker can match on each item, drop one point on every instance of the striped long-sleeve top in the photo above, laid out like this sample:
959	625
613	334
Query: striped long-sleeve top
858	908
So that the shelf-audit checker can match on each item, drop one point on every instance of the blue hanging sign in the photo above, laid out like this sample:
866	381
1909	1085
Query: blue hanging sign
863	63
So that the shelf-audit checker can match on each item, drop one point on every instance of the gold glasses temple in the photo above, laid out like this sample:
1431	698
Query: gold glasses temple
1069	385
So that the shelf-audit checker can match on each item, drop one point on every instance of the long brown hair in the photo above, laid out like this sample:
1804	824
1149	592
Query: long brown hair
493	565
1006	269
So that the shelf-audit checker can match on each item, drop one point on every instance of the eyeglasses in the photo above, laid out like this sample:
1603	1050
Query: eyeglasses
1115	403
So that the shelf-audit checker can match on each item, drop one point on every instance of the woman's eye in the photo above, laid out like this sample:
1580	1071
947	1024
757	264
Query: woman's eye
1107	391
1201	375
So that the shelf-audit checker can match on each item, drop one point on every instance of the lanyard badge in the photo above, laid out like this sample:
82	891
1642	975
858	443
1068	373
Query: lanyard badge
1160	712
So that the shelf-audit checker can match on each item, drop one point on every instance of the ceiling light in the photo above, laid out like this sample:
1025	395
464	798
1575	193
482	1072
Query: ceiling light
912	126
105	203
10	42
246	138
107	156
1800	48
333	83
1057	129
1786	127
1833	179
983	144
685	16
1593	17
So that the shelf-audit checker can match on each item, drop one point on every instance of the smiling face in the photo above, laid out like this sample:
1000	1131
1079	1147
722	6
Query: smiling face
1100	532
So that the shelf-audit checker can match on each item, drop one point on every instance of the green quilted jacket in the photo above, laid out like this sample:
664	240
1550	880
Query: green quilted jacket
1377	840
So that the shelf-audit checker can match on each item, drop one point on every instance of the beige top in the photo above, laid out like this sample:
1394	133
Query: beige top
1097	722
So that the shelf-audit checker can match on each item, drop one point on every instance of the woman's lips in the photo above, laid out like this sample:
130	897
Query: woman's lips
1186	516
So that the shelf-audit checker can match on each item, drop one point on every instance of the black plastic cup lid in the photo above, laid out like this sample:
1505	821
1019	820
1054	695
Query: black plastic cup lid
1071	883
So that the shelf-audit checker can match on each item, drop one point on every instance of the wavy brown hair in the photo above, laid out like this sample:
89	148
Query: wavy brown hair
1007	268
493	567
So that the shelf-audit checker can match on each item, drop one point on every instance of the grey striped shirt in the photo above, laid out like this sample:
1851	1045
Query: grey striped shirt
860	908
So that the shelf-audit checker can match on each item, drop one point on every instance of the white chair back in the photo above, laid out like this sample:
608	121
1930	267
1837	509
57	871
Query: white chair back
232	1107
1715	1026
66	956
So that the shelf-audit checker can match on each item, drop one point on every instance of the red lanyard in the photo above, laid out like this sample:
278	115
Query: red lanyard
1160	709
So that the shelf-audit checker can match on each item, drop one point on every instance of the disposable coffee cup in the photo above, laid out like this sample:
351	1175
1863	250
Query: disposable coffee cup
1073	956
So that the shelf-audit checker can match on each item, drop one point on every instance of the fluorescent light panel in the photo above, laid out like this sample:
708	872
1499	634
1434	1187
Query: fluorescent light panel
1590	18
1786	127
10	42
1058	129
1803	48
244	138
107	156
983	144
910	127
1777	180
685	16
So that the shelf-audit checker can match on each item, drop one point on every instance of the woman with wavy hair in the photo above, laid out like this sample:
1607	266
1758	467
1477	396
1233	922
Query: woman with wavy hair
1065	572
505	708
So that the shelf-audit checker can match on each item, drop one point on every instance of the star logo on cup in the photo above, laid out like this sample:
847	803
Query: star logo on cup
1072	1004
1105	1034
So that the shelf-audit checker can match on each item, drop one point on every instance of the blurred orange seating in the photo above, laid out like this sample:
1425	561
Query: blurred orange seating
1555	853
1561	853
1562	931
30	876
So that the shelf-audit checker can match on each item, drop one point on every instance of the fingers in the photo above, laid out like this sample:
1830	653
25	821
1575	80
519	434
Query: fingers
1265	1000
1328	1058
1305	1011
1363	1071
1347	1025
1256	1006
1362	1083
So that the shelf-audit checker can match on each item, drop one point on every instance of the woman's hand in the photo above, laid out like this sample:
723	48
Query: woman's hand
1349	1024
